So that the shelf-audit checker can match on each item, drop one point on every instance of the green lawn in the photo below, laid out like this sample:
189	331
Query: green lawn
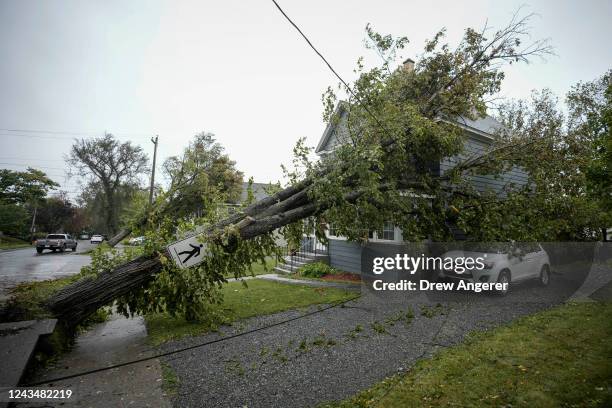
10	243
28	298
259	298
557	358
259	269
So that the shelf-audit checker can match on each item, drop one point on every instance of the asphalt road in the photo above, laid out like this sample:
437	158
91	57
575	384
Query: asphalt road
25	265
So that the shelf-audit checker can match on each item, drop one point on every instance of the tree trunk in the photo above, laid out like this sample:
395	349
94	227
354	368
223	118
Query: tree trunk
75	302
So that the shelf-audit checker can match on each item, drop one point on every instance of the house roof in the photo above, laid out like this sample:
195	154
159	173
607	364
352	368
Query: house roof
331	126
259	191
485	126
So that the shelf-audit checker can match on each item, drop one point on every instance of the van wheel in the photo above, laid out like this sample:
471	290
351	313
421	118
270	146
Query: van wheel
504	277
545	276
39	250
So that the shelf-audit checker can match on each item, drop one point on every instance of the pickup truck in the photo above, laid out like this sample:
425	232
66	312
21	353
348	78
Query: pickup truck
56	242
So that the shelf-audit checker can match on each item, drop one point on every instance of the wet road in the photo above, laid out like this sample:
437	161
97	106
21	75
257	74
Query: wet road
25	265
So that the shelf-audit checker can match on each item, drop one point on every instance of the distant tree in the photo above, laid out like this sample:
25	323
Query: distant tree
55	214
20	193
79	222
21	187
93	202
14	219
112	164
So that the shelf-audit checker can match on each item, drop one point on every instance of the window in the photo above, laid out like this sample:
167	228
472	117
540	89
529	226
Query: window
388	232
331	230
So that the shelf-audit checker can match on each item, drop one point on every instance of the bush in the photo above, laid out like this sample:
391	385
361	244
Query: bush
316	270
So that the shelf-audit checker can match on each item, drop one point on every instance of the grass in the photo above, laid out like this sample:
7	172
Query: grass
259	268
28	298
557	358
170	381
259	298
11	243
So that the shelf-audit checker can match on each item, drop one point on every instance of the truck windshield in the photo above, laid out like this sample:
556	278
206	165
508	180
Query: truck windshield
55	236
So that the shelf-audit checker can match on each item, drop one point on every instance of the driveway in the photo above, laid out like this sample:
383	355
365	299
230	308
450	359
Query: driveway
25	265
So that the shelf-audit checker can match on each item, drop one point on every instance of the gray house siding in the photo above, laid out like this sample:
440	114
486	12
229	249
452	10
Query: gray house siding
345	255
475	146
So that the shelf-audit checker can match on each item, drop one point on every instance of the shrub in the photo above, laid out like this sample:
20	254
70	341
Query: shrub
316	270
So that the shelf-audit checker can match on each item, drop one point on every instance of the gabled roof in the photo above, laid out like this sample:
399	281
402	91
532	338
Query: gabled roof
485	127
341	108
259	191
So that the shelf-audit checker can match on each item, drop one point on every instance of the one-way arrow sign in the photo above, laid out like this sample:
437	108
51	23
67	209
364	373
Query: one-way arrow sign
188	252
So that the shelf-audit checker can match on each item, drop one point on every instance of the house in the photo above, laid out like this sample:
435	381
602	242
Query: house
259	191
346	255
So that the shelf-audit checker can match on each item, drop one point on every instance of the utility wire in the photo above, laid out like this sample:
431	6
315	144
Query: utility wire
31	165
348	88
58	132
181	350
30	159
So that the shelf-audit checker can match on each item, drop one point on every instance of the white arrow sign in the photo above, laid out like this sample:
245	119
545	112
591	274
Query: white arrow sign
188	252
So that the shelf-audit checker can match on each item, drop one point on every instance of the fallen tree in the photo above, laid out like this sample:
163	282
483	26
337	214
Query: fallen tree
363	184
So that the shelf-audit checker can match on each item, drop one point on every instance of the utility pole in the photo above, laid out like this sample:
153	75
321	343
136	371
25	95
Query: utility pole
33	227
154	140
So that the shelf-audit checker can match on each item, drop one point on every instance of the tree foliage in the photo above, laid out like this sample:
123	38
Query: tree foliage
201	176
20	191
21	187
55	213
590	119
110	164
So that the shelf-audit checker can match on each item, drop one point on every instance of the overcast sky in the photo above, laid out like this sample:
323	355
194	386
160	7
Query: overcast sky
237	69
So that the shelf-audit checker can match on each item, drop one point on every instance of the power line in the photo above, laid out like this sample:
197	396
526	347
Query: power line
333	70
72	133
168	353
24	158
60	137
31	165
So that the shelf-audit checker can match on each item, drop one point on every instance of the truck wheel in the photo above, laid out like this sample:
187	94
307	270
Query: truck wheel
39	250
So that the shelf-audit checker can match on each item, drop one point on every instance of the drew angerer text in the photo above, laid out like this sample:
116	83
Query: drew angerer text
438	286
